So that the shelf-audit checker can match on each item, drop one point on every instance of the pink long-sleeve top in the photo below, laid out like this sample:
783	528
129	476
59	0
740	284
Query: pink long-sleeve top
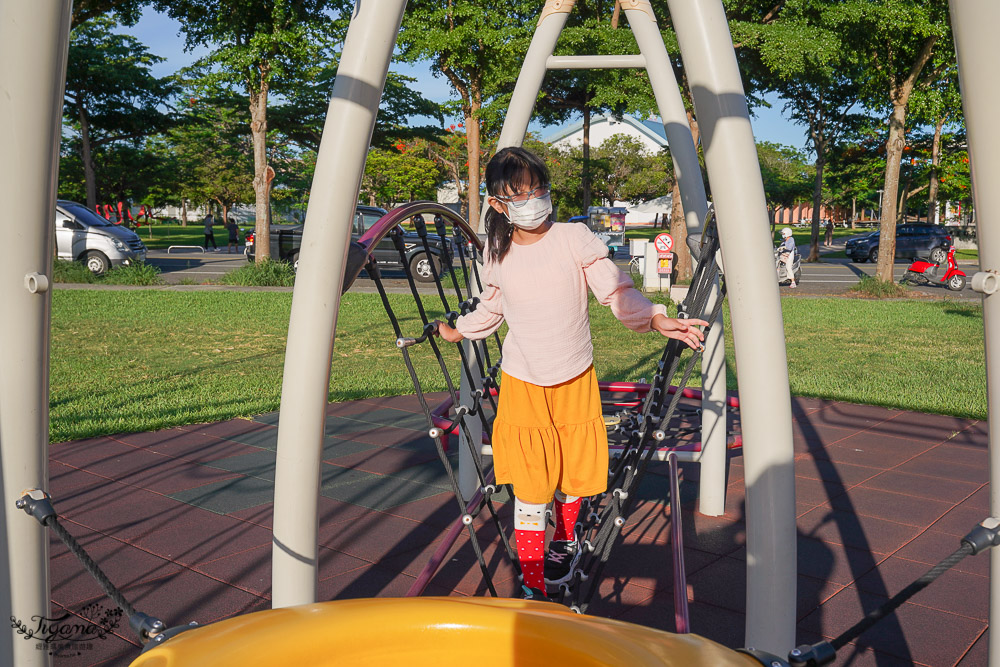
541	291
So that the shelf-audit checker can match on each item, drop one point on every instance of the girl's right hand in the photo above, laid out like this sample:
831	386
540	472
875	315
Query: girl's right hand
448	333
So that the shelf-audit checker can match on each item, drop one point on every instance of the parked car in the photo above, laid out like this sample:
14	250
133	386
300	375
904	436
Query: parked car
84	236
912	241
287	239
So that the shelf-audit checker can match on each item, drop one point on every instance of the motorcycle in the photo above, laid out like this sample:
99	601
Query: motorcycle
779	266
924	272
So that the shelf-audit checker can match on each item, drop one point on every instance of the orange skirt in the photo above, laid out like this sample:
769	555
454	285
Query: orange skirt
549	438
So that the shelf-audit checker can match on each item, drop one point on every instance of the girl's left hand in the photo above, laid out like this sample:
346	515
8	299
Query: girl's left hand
683	330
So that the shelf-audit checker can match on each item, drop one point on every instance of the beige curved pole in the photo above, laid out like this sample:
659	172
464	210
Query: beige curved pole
755	308
347	133
974	24
34	38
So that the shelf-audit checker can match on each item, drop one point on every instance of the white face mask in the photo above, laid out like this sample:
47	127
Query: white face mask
530	216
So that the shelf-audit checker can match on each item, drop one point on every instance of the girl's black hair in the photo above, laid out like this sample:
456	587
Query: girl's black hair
515	168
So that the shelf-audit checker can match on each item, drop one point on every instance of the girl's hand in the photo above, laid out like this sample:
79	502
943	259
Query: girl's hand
448	333
683	330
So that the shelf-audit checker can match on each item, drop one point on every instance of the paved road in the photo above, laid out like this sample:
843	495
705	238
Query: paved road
830	277
194	266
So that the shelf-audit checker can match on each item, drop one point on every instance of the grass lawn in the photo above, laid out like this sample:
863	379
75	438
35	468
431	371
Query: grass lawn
140	360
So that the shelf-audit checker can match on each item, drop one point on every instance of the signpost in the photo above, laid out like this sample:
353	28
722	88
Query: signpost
664	245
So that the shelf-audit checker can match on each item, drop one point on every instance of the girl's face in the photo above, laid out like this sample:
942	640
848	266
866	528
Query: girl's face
516	195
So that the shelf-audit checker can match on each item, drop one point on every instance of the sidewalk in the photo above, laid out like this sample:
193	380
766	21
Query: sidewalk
181	520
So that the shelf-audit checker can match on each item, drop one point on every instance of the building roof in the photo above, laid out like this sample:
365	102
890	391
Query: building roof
651	129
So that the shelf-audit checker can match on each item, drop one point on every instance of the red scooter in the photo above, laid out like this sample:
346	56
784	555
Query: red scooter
924	272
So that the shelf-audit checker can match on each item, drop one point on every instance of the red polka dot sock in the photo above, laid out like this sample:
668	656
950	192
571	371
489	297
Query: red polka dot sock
531	553
566	514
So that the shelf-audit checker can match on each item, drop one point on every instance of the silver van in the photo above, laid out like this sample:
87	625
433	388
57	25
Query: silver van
84	236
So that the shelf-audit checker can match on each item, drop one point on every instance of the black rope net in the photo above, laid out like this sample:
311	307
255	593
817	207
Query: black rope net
653	425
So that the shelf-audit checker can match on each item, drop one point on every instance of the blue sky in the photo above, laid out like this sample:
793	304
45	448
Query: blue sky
162	36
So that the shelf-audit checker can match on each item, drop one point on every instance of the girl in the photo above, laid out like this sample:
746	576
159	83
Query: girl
549	437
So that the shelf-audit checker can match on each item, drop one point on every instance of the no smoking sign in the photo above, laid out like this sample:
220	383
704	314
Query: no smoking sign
664	243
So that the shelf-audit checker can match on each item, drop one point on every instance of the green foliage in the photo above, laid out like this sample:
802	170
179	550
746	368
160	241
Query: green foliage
624	171
210	151
876	288
620	170
397	175
139	273
126	12
263	273
478	47
302	113
786	175
259	44
113	102
65	271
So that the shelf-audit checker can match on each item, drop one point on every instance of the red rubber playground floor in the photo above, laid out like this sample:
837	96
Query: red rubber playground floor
181	520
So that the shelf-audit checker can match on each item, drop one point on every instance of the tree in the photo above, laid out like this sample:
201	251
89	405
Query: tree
822	102
939	105
565	175
785	173
855	172
477	47
626	172
452	154
901	46
398	174
302	114
125	12
262	46
592	29
111	96
212	152
805	62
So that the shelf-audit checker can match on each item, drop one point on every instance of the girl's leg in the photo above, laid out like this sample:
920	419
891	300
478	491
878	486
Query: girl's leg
529	532
567	509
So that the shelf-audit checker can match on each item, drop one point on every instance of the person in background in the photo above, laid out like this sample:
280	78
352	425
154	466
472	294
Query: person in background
234	236
209	232
786	253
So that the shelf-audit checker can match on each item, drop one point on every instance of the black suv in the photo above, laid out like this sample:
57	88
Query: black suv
912	240
287	239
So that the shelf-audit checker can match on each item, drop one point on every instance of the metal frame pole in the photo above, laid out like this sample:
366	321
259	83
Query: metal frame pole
35	36
974	24
755	308
347	132
687	171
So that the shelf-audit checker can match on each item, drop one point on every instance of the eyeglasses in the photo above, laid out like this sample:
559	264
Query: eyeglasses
519	199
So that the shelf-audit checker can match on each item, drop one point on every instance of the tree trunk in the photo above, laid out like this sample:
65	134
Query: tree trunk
88	160
817	204
472	138
258	132
854	211
932	192
900	96
678	224
903	198
225	210
893	155
586	159
184	213
678	230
